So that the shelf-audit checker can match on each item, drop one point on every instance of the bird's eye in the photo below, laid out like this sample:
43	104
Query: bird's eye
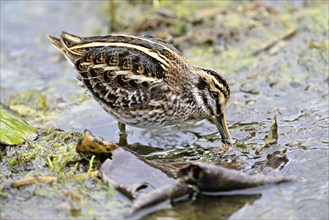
214	95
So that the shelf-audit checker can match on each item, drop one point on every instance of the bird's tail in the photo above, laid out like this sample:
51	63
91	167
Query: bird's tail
66	44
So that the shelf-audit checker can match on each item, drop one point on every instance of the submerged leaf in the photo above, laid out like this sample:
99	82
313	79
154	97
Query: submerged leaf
129	190
146	202
151	188
126	168
14	130
148	185
211	178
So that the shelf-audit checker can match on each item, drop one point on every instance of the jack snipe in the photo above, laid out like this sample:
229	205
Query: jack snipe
146	82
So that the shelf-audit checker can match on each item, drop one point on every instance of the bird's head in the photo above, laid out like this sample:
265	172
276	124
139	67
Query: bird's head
212	93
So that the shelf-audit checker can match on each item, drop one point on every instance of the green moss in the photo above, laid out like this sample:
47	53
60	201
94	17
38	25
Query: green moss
181	8
42	103
316	18
57	156
91	161
228	61
31	102
12	162
59	163
23	110
80	98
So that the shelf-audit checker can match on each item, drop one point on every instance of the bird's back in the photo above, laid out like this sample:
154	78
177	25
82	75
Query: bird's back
132	77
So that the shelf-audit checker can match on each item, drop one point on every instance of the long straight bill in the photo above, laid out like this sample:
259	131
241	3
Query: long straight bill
220	122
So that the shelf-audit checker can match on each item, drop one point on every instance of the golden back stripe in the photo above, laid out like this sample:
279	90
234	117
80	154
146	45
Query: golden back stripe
149	41
147	51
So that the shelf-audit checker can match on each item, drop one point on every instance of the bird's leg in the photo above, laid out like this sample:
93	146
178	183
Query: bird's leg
122	134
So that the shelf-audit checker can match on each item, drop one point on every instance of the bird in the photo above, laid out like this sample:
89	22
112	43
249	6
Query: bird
146	82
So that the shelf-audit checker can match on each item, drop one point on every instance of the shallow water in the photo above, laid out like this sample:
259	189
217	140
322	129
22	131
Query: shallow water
291	83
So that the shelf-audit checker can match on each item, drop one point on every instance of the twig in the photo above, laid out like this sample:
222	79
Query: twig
49	179
291	32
